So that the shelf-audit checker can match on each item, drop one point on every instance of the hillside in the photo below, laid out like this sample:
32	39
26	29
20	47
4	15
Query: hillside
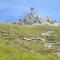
22	42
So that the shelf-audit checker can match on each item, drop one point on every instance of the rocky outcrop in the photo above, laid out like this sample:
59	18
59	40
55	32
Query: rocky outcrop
33	18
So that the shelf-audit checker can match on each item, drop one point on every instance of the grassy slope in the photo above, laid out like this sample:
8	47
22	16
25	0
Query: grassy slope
15	49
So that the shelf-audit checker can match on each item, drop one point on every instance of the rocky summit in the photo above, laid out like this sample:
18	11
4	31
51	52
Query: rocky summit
32	18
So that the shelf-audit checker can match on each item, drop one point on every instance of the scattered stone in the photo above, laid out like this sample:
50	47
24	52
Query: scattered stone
47	33
26	39
47	45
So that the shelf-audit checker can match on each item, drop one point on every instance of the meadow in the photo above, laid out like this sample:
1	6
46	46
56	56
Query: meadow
13	47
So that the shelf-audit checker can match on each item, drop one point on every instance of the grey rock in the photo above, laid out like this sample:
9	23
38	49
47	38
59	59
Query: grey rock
33	18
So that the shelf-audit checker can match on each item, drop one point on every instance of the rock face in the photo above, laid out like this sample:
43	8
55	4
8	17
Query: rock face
32	18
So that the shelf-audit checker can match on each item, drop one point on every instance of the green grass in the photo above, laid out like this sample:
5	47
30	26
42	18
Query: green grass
13	53
17	49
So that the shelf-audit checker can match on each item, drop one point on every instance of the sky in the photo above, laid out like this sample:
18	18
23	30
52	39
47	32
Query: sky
13	10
